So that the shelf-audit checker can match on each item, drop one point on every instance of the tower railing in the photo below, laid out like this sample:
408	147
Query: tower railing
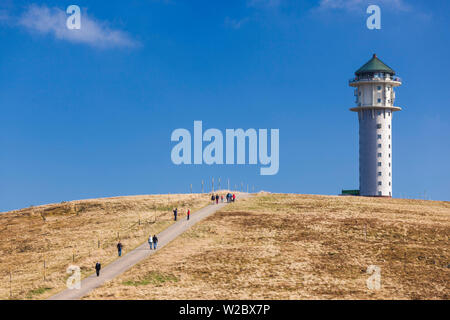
357	79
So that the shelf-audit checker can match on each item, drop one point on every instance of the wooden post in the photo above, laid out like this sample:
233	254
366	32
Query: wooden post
73	256
404	262
10	283
228	184
365	232
98	244
191	187
219	185
44	269
202	186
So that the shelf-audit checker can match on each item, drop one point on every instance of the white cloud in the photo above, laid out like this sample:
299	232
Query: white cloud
4	16
52	21
263	3
361	5
234	23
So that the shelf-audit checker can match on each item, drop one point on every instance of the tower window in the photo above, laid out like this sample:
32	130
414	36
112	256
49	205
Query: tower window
379	88
379	164
379	174
379	136
379	193
389	155
389	183
379	145
379	112
379	126
389	164
379	183
389	146
389	137
379	155
389	126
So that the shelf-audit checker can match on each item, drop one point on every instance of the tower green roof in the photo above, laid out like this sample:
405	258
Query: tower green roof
375	65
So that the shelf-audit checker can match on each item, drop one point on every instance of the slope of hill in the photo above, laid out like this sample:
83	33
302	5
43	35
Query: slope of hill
37	244
278	246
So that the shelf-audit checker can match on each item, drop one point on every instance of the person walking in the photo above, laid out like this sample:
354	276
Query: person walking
234	197
188	213
221	198
119	249
217	199
175	212
155	241
213	198
150	241
98	266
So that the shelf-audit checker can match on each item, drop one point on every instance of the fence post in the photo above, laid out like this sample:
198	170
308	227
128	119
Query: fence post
44	269
98	244
10	283
202	186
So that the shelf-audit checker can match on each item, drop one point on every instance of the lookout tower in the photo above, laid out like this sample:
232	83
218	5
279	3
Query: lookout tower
374	85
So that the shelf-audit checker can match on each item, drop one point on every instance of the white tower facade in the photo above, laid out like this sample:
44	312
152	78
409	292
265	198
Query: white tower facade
374	85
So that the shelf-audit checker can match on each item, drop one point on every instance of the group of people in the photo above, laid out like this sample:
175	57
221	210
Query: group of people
175	214
230	198
152	241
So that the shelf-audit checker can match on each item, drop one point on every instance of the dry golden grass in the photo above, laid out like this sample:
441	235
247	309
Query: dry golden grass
70	233
300	247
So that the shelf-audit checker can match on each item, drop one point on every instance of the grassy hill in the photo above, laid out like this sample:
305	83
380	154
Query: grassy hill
278	246
79	233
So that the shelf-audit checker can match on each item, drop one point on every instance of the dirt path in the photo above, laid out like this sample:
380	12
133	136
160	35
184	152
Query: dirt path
124	263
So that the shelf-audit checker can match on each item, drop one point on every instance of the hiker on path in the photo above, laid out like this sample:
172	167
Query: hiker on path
188	214
217	199
221	198
155	241
98	266
150	241
213	198
119	249
234	197
175	212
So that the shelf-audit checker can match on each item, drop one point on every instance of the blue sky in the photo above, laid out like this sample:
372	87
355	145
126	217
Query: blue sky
91	116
